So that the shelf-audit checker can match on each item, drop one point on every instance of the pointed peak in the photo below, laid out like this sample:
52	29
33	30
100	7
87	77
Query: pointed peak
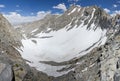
88	7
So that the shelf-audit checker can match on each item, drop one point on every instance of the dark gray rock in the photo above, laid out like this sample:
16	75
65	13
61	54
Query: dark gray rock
6	73
117	76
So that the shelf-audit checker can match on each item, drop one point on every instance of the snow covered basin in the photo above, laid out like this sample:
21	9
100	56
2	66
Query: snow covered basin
59	46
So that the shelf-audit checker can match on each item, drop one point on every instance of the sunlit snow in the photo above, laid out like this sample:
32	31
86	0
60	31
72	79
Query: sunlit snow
62	46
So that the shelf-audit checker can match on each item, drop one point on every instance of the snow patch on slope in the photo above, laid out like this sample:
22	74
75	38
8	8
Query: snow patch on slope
92	15
72	11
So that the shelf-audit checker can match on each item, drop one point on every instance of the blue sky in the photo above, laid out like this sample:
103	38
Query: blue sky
26	7
33	7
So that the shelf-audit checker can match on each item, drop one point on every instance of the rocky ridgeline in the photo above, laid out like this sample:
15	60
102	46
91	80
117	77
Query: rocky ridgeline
75	15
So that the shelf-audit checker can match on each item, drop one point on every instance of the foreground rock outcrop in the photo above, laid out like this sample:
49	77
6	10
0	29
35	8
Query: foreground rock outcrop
6	73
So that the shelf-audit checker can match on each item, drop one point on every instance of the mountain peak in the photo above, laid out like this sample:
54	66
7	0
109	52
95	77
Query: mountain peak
93	13
87	10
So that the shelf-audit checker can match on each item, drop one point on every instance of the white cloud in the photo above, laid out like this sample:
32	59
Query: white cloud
115	12
107	10
61	6
2	6
16	18
114	5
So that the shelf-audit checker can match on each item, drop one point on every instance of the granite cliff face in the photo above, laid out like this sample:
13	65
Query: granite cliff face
82	44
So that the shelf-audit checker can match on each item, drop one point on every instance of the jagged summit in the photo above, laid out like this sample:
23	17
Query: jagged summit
88	9
99	15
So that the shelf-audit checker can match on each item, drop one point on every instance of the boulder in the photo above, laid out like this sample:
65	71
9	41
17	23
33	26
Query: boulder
6	73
